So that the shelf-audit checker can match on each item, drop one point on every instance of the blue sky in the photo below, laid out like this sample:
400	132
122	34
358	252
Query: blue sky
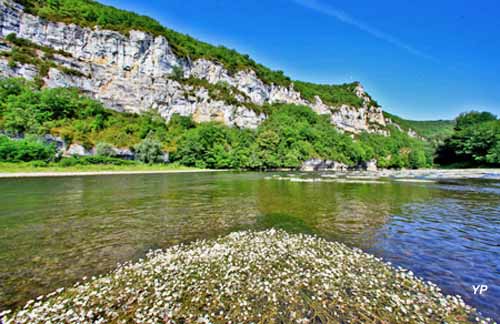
419	59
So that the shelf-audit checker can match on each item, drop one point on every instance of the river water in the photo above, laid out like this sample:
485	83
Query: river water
54	231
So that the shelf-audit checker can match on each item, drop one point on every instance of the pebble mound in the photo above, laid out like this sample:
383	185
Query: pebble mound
251	277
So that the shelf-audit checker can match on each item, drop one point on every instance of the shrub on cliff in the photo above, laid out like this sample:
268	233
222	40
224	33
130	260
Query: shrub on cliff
334	95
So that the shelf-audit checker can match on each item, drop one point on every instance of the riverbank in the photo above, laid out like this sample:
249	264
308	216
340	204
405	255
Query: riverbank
24	170
257	277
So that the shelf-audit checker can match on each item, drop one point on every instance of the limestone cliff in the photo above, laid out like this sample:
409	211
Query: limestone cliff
136	72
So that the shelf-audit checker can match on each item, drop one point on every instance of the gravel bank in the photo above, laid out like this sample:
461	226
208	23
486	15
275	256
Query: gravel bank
251	277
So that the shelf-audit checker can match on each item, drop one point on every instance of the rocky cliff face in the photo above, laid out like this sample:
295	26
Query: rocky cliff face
134	73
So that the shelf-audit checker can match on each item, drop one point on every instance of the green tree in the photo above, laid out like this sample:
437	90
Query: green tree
474	142
268	148
469	119
105	149
149	151
54	4
207	145
417	159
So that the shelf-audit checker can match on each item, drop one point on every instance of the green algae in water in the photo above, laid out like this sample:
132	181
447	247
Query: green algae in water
287	222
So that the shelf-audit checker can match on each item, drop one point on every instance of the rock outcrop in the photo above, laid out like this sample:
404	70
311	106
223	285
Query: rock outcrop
134	73
322	165
370	165
77	150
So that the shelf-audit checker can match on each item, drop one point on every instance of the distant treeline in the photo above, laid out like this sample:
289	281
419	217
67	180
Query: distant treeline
434	131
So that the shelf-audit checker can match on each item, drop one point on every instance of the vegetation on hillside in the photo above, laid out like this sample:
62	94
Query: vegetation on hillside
90	14
434	131
333	95
291	134
399	150
475	141
25	109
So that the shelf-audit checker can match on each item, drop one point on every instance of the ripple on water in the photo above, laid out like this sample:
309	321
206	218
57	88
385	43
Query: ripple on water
452	242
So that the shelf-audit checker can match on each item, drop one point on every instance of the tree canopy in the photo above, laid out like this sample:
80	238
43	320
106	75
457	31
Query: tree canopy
474	142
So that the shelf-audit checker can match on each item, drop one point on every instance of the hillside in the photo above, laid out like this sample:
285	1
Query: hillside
65	61
434	131
131	63
78	125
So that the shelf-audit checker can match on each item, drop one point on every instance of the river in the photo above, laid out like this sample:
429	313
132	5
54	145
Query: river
54	231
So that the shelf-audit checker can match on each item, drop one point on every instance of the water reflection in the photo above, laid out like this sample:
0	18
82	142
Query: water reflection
54	231
352	213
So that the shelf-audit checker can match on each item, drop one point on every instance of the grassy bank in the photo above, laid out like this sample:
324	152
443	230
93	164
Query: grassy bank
27	167
251	277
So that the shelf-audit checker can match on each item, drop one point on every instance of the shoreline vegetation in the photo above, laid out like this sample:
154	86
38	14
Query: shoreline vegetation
251	277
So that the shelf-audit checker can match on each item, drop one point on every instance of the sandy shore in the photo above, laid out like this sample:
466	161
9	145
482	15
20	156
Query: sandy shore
92	173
